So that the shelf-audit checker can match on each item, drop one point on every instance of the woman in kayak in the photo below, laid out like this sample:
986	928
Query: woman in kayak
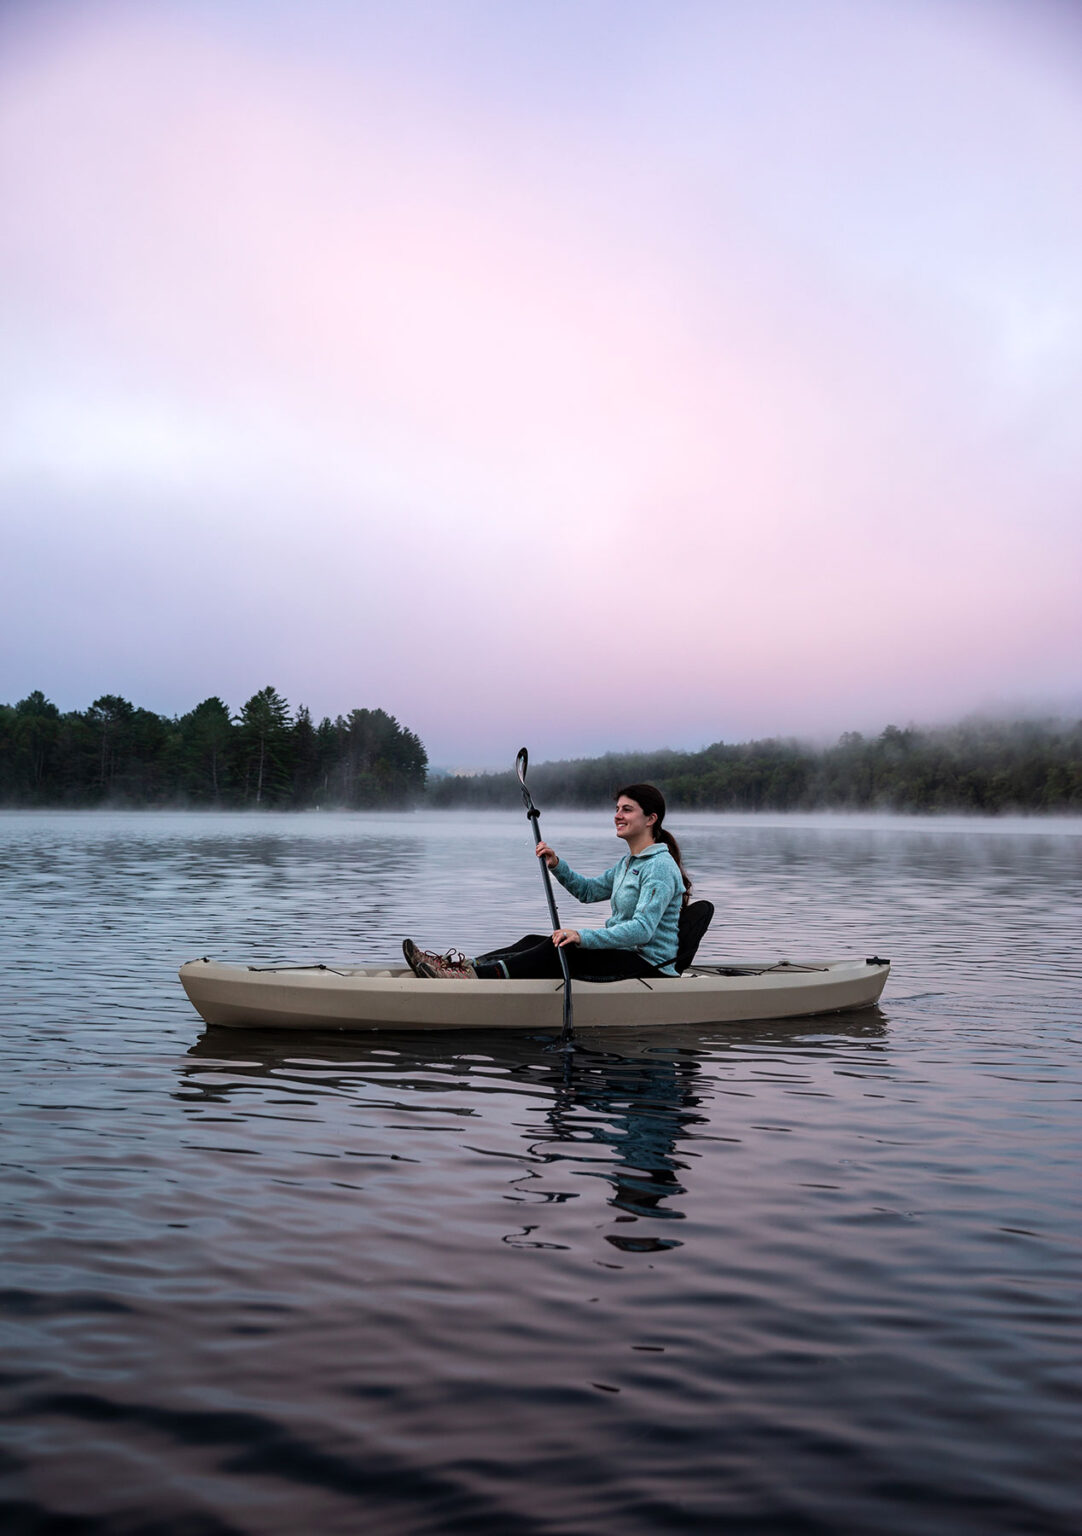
648	887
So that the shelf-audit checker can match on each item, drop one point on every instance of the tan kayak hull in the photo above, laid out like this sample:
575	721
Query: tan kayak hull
365	998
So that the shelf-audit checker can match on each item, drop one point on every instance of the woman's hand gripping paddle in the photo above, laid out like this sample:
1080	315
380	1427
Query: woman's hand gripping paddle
533	815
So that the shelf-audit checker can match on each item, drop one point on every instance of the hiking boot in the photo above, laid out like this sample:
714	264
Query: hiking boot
424	962
454	966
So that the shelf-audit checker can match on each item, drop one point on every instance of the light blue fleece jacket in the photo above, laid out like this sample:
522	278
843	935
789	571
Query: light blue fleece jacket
647	893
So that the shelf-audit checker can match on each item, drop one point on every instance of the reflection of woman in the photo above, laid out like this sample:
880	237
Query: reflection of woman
648	888
640	1111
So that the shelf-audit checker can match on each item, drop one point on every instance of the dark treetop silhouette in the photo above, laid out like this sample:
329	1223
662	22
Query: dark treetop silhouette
115	753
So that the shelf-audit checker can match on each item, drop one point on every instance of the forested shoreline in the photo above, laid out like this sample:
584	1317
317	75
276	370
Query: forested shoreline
264	756
980	767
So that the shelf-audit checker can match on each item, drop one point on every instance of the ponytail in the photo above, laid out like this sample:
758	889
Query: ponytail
653	804
662	836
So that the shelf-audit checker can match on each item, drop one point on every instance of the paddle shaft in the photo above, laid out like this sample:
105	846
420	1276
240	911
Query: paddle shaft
533	815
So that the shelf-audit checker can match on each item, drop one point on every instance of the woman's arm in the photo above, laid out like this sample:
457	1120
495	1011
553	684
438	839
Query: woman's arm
655	895
581	887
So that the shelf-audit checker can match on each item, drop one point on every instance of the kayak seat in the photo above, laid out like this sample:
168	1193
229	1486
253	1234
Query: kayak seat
694	921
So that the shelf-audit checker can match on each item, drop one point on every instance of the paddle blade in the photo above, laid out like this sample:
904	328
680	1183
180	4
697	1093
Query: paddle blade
522	762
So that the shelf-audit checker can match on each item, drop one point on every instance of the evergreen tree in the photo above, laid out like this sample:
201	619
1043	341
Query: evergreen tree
204	770
264	738
381	763
328	751
109	722
34	731
305	756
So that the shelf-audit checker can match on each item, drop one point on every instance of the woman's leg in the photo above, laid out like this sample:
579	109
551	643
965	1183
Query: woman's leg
536	958
528	941
528	958
607	964
533	955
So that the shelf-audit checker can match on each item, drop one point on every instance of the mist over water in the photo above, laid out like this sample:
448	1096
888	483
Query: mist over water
807	1276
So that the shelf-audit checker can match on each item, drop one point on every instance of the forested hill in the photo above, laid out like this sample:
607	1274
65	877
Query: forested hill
266	756
978	766
117	754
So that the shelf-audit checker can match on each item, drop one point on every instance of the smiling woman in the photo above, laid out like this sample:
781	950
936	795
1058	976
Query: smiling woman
648	888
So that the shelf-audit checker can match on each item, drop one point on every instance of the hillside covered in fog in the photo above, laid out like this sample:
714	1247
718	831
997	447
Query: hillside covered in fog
978	766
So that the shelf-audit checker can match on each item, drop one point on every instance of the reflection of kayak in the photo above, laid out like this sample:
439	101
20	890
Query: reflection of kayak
355	997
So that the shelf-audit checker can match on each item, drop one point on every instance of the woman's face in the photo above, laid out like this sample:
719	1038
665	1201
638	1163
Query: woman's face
631	820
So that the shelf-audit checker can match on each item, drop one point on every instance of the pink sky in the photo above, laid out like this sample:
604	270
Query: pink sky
596	375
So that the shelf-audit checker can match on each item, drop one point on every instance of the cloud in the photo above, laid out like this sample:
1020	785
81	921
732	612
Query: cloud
727	399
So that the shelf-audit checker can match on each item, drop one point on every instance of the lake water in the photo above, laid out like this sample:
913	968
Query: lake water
809	1277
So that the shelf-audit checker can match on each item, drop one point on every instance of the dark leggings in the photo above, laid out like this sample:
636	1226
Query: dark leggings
536	957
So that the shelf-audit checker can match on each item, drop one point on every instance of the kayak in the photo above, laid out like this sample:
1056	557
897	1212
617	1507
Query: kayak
371	998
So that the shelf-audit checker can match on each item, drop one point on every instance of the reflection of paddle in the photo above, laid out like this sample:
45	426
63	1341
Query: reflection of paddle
534	815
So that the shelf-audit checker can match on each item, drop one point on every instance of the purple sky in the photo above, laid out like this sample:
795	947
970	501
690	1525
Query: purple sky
594	374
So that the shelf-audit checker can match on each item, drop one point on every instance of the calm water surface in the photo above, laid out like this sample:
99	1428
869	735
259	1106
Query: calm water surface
811	1277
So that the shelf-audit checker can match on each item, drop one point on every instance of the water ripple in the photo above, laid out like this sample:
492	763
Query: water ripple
805	1276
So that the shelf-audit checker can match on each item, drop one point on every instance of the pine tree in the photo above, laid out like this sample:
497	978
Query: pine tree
205	751
265	740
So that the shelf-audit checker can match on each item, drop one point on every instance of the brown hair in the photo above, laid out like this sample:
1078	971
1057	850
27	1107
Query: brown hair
652	803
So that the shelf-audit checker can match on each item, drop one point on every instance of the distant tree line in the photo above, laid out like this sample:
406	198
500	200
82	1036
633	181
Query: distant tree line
979	766
114	753
117	754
